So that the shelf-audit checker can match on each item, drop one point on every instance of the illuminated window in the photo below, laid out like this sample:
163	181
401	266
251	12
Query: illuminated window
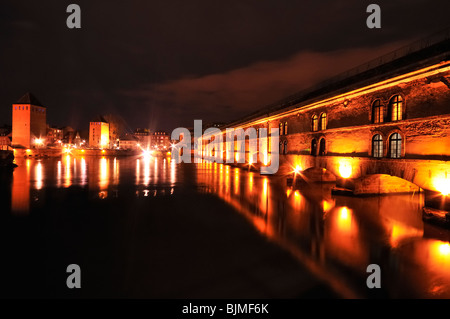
377	110
281	129
285	128
315	123
322	147
323	121
395	145
395	105
314	147
377	146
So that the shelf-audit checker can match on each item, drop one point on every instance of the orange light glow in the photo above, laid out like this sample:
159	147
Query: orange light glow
38	175
297	169
288	192
266	158
326	206
103	151
344	221
442	185
345	169
444	249
401	232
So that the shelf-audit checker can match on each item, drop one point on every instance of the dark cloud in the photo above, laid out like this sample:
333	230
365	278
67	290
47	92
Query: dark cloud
161	62
226	96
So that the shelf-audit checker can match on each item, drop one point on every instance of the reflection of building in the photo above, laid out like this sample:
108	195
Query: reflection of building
29	127
160	140
99	133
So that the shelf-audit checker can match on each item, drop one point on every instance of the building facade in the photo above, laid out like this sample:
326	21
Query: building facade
160	140
29	122
391	118
144	138
99	133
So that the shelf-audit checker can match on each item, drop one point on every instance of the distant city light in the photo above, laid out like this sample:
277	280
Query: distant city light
146	154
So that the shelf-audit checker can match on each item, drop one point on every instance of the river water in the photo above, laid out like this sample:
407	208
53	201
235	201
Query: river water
334	237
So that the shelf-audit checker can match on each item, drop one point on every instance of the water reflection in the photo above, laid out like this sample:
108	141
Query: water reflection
20	189
339	235
336	232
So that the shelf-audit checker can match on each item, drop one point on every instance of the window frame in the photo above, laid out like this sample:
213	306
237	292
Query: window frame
315	123
376	149
398	101
323	118
398	145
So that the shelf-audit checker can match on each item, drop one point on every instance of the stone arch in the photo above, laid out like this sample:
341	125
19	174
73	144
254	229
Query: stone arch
318	174
383	184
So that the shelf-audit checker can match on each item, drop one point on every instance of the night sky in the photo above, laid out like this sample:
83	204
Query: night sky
162	64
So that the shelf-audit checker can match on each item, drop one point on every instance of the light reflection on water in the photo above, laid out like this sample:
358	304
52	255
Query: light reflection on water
339	235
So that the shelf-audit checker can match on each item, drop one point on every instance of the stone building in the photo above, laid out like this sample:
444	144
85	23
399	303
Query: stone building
99	133
390	116
29	122
160	140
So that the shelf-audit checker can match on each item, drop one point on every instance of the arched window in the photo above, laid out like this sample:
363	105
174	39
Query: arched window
314	147
280	149
285	148
281	129
395	106
285	128
323	121
315	123
377	146
322	147
377	112
395	145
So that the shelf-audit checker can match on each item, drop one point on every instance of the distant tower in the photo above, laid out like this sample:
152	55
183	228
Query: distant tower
29	122
99	133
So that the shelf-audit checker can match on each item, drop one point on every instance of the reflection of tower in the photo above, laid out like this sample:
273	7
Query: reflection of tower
29	118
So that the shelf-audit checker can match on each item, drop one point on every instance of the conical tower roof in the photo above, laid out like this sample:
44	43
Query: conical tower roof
29	98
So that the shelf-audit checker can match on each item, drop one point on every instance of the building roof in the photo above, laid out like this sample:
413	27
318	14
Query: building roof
412	57
29	98
99	118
